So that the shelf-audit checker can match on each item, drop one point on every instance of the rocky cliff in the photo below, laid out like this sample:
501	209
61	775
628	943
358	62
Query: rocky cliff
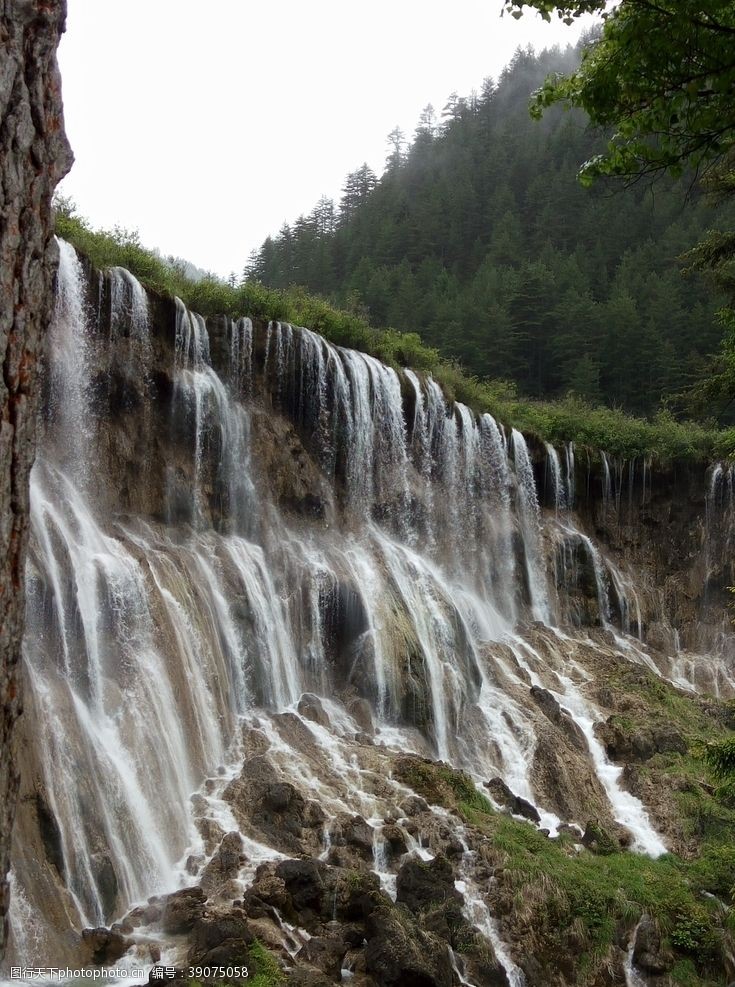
34	155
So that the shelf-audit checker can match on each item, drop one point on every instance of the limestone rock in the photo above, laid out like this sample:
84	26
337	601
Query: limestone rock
598	840
310	707
420	883
325	953
220	939
224	865
517	805
647	952
361	712
286	819
104	946
399	953
182	909
559	717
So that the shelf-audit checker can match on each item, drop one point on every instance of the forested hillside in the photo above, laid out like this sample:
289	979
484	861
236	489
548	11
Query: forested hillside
480	237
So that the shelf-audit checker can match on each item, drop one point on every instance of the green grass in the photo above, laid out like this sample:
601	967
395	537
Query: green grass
263	970
596	428
267	971
559	901
552	889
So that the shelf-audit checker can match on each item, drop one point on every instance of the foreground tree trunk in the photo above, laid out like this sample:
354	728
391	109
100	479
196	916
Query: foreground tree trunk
34	155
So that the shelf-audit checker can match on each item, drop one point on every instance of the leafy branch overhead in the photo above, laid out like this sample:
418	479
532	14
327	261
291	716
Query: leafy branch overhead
661	72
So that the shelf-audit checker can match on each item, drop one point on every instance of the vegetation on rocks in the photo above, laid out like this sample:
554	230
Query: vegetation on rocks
263	969
267	971
557	898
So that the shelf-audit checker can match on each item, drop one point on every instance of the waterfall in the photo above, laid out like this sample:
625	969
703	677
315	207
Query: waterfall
607	488
569	463
221	525
553	467
530	527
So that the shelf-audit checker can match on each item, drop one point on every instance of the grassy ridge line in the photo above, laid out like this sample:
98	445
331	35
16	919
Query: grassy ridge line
596	428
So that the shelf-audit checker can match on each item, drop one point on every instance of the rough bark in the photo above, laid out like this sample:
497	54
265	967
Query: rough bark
34	155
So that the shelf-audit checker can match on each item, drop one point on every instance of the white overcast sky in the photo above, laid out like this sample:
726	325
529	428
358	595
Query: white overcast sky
207	125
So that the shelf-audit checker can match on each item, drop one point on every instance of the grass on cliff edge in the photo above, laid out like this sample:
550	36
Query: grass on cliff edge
596	428
568	906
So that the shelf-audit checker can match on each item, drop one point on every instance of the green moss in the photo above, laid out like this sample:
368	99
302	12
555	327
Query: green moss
265	967
593	427
441	785
263	970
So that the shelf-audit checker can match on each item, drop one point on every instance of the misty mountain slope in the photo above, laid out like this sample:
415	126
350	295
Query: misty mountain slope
480	238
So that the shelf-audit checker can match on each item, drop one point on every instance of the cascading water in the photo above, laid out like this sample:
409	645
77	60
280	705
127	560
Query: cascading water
302	519
558	487
528	509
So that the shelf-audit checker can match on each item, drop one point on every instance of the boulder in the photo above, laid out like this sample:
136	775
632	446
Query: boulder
639	744
624	745
413	805
275	807
420	883
310	707
559	717
354	832
310	886
254	742
647	952
598	840
668	740
485	968
399	954
211	833
221	939
224	865
181	910
447	921
359	895
325	953
394	839
514	803
103	946
266	895
361	712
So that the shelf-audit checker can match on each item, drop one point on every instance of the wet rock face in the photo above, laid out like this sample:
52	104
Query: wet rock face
223	867
34	155
400	955
559	717
276	809
220	939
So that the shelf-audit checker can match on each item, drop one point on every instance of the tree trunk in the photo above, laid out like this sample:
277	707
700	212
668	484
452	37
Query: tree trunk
34	155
